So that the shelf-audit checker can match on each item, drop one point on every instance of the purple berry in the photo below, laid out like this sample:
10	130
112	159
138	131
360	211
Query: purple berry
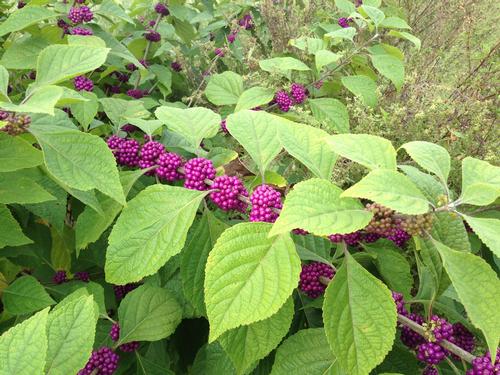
152	23
82	276
62	24
135	93
176	66
122	77
122	290
104	360
223	126
131	67
227	192
219	52
169	163
351	239
60	277
409	337
80	14
300	232
482	365
81	31
370	237
344	22
196	171
298	92
463	338
32	75
399	237
246	22
439	329
430	353
114	333
310	283
21	4
430	370
151	150
126	151
83	83
400	303
283	100
265	201
232	36
152	36
162	9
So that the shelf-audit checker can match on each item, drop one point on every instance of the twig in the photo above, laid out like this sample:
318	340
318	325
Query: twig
146	51
195	94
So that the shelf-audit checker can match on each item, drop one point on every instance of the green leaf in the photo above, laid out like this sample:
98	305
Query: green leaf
211	359
23	348
305	353
147	126
25	17
80	160
316	205
324	57
330	112
391	189
224	88
148	313
119	110
360	330
480	182
477	286
487	230
363	87
20	188
71	329
431	157
59	62
11	234
313	248
110	8
254	97
282	64
247	344
201	240
142	240
221	156
249	276
392	266
309	146
23	53
368	150
449	229
428	184
4	84
390	67
86	40
25	295
11	148
42	100
342	33
257	132
404	35
394	23
194	124
85	112
345	6
376	15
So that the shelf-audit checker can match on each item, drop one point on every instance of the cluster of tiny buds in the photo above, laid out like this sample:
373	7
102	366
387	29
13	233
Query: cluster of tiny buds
14	124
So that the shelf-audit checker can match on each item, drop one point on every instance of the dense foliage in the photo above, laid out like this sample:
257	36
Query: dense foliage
181	193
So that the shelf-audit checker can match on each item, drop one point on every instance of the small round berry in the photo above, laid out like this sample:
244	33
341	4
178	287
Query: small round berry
60	277
196	171
438	329
300	232
463	338
482	365
176	66
135	93
344	22
310	283
283	100
123	77
219	52
129	128
232	36
227	192
114	333
223	126
83	83
430	370
430	353
400	303
246	22
151	150
122	290
152	36
104	360
80	14
265	202
399	237
409	337
162	9
169	163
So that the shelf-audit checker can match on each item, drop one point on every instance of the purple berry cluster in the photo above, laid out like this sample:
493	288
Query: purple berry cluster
60	277
232	36
80	14
351	239
196	171
219	52
265	200
430	370
162	9
430	353
82	276
150	152
400	303
122	290
482	365
227	190
246	22
283	100
310	283
83	83
81	31
136	93
168	165
176	66
344	22
399	237
104	360
128	347
298	93
152	36
126	151
223	127
14	124
409	337
463	338
438	329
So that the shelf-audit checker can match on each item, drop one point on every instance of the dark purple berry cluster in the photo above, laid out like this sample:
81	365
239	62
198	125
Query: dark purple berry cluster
136	93
196	171
83	83
227	192
162	9
438	329
400	303
265	202
431	353
80	14
60	277
284	100
219	52
351	239
482	365
430	370
128	347
409	337
82	276
152	36
310	283
122	290
168	167
102	362
246	22
463	338
176	66
150	152
344	22
81	31
223	126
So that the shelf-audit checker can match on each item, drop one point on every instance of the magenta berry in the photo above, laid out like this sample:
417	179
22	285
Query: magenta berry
126	151
370	237
246	22
283	100
463	338
440	329
227	192
83	83
196	171
298	93
82	276
223	126
60	277
219	52
80	14
104	360
400	303
176	66
152	150
135	93
169	163
152	36
265	201
410	338
430	370
131	67
430	353
81	31
122	77
114	333
349	238
310	283
482	365
232	36
162	9
300	232
344	22
122	290
399	237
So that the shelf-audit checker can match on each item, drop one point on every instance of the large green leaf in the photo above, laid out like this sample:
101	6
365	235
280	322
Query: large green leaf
331	112
390	67
309	146
305	353
23	348
282	64
324	57
25	17
201	240
11	233
43	100
211	359
363	87
119	110
60	62
254	97
368	150
431	157
394	23
79	160
247	344
71	330
347	33
149	313
142	239
23	53
257	132
316	205
84	112
249	276
428	184
20	188
376	15
360	330
477	286
194	124
480	182
110	8
11	148
224	88
449	229
391	189
487	230
312	248
404	35
25	295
